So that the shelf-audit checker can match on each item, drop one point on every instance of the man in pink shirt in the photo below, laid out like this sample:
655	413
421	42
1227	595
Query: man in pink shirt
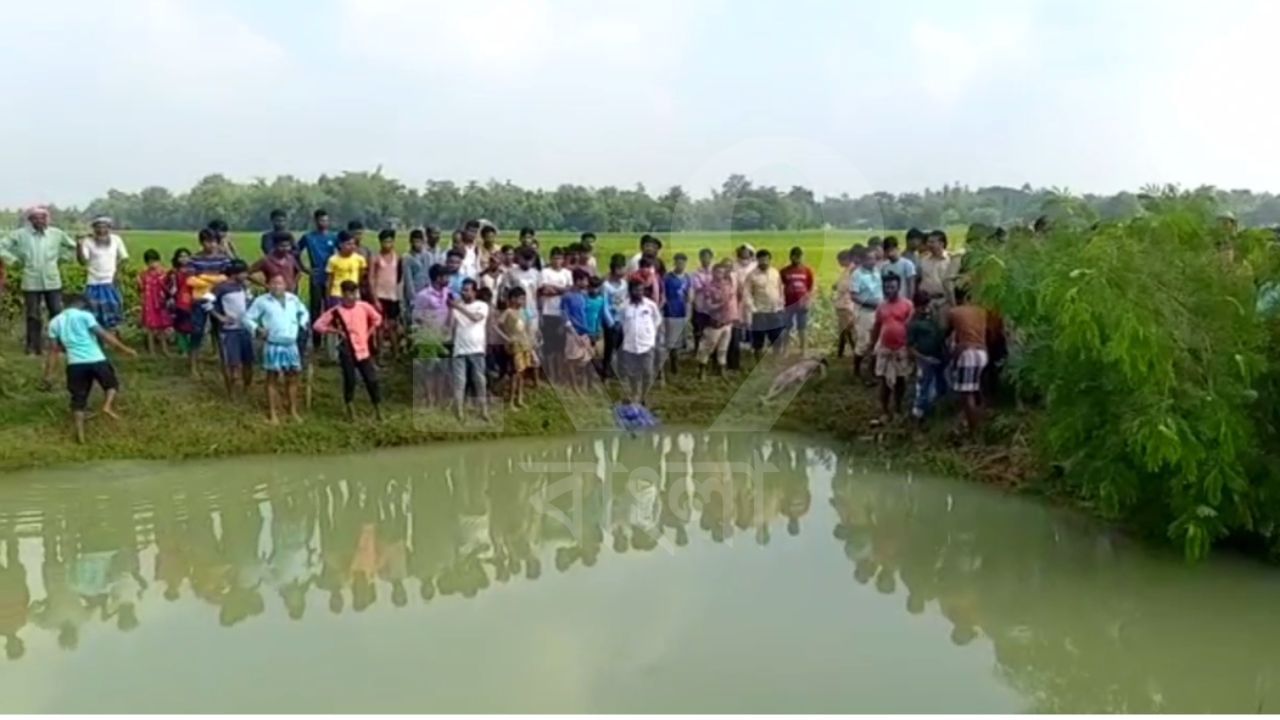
354	321
699	285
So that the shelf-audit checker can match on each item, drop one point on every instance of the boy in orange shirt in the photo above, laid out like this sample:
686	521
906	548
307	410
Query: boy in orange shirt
355	322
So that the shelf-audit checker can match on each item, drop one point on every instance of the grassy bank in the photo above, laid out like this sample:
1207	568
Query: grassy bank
168	415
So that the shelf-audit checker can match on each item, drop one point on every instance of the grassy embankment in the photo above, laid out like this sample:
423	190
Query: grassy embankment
166	414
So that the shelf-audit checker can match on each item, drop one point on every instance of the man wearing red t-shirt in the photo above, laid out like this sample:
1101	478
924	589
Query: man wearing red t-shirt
889	338
797	289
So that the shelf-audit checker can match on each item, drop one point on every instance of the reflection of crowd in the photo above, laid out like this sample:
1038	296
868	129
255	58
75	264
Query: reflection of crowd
1074	624
477	520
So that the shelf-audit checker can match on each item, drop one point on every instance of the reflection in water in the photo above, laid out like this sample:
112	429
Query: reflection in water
1077	619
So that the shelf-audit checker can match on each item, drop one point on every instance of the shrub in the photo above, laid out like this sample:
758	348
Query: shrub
1157	375
73	279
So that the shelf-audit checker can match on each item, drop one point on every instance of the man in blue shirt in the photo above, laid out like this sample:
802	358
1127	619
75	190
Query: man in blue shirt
675	307
279	223
868	293
77	333
317	247
230	303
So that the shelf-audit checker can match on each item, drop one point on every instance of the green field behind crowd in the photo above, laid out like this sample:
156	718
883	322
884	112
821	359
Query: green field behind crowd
820	246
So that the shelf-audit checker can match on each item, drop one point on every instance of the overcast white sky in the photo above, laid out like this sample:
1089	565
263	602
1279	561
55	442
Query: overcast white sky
839	95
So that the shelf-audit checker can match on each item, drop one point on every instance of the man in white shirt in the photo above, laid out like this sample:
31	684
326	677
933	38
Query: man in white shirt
102	254
470	319
640	320
554	281
470	254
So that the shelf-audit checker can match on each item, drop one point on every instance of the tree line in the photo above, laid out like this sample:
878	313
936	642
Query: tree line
738	204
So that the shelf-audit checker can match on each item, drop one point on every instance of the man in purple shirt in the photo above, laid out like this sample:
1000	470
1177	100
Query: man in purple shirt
431	324
700	284
431	304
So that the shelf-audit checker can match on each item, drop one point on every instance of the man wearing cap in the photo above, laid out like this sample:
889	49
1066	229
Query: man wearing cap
101	255
38	248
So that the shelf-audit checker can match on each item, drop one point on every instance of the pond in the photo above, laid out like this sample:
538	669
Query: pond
682	571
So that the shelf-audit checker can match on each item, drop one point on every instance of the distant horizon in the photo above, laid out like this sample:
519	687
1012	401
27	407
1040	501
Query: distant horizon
651	191
738	204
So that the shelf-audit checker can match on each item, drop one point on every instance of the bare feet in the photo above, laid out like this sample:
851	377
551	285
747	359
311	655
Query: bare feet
273	420
110	412
295	416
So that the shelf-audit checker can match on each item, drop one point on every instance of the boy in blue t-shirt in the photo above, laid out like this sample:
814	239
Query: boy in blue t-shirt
675	307
231	299
77	333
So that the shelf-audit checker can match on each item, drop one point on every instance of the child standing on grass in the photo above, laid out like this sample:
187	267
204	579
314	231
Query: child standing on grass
347	265
281	319
354	321
206	268
153	284
384	277
554	281
614	290
797	290
843	301
676	288
598	313
582	330
867	292
889	338
230	303
179	299
719	301
515	331
640	320
78	333
928	346
698	284
469	317
102	254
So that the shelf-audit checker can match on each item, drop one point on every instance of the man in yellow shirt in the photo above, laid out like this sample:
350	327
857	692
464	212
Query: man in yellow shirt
764	302
347	265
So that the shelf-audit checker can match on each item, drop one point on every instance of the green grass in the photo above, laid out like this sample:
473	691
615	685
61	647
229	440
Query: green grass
820	246
168	415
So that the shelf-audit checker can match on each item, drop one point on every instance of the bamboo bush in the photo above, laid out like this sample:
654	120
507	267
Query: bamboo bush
1155	371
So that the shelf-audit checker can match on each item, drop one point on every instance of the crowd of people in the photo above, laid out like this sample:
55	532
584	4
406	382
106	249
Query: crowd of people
476	312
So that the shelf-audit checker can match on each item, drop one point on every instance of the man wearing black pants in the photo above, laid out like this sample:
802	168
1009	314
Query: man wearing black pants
612	343
368	375
31	301
355	322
